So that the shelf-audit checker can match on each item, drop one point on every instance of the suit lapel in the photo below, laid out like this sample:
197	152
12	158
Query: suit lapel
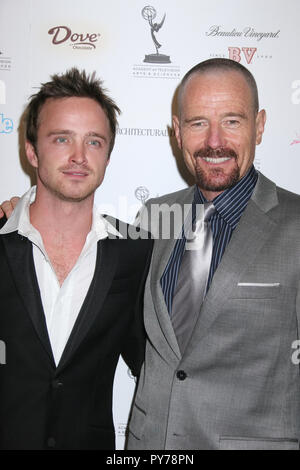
20	259
253	231
104	272
162	251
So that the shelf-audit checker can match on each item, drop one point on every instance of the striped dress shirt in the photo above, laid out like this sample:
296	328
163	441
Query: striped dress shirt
229	205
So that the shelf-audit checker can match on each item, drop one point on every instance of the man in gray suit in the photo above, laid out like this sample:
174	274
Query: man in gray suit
218	372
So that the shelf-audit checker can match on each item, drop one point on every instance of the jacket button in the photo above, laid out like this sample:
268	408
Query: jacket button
57	384
51	443
181	375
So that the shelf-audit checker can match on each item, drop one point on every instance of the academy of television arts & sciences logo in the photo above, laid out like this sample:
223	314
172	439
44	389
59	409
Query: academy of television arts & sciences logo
155	64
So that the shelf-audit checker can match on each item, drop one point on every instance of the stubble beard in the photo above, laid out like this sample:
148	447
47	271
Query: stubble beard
215	179
62	193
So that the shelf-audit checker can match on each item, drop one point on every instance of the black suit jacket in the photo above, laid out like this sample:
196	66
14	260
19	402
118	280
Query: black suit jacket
69	406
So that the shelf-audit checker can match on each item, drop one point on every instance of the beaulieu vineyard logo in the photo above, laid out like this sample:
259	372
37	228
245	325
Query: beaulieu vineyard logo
246	54
64	35
248	32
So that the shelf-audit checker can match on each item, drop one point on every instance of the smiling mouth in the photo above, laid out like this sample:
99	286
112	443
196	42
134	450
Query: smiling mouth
215	156
75	173
216	160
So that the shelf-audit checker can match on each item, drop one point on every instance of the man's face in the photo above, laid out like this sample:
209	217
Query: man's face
72	148
218	129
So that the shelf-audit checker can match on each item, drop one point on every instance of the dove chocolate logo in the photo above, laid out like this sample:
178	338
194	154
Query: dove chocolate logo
63	34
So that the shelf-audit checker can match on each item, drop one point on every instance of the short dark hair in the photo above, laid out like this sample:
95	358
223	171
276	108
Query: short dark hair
222	65
71	83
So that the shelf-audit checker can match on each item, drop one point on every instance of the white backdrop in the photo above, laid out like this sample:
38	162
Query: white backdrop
42	37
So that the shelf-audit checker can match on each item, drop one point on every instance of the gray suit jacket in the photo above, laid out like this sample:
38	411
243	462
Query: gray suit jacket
235	386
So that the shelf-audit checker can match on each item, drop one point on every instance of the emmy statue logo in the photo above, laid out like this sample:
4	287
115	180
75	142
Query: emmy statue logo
149	13
142	194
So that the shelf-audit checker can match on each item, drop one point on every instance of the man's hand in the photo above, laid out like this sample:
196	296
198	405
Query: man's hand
7	207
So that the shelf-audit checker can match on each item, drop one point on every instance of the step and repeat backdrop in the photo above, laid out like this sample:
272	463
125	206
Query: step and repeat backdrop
119	40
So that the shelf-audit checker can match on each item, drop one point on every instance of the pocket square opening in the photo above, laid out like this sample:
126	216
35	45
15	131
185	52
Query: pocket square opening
258	284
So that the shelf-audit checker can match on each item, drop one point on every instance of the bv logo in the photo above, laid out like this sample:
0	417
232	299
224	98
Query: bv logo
6	125
235	53
2	92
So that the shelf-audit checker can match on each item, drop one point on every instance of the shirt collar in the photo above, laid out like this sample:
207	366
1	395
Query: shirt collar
231	203
20	220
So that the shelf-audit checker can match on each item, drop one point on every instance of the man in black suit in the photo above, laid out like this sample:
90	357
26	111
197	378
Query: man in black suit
71	279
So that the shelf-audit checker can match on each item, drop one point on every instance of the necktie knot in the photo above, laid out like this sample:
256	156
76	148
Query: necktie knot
209	209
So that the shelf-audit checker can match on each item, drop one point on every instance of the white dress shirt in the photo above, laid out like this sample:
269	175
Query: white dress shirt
61	304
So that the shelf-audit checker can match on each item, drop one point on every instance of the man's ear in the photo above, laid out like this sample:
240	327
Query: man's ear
176	127
260	125
31	154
